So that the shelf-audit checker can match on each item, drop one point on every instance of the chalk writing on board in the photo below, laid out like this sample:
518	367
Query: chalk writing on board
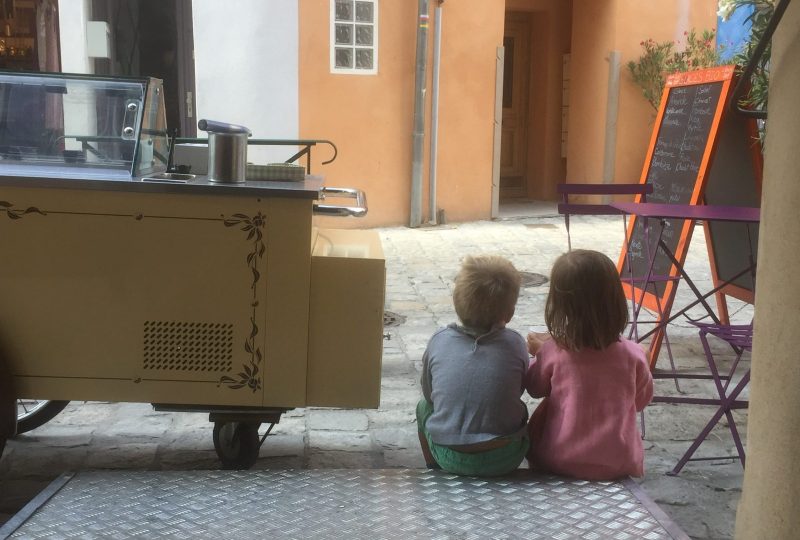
676	160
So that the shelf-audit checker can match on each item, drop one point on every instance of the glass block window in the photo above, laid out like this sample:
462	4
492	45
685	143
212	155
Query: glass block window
354	36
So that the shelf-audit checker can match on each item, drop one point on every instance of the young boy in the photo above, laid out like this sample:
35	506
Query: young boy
472	420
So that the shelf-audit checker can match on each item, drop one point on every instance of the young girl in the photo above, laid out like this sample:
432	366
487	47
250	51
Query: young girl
594	381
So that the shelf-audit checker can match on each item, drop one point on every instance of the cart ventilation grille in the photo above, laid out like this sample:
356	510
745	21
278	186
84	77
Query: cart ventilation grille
187	346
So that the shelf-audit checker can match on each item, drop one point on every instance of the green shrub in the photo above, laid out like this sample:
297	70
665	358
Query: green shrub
660	59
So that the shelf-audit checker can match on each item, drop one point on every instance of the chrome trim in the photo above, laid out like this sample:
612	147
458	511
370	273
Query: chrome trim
359	210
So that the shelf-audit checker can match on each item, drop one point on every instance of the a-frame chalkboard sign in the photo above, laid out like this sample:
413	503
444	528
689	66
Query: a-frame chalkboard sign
679	163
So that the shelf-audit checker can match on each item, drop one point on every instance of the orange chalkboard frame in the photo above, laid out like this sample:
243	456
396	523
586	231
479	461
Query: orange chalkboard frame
640	291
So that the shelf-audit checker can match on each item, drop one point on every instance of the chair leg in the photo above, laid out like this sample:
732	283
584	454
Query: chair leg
696	444
723	409
726	401
733	367
737	441
669	348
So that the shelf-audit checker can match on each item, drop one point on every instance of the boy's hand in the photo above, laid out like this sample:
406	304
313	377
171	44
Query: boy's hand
536	340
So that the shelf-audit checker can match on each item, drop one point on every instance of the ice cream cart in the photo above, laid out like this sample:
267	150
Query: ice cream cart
124	282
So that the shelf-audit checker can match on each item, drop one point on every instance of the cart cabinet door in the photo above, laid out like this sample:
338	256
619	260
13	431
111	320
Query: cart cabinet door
150	297
345	341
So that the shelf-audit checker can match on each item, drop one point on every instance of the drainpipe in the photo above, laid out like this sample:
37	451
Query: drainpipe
612	113
437	53
419	115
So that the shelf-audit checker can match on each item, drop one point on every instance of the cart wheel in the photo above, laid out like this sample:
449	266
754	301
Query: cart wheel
32	413
237	444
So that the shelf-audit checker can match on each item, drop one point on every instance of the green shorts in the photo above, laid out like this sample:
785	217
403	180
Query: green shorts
495	462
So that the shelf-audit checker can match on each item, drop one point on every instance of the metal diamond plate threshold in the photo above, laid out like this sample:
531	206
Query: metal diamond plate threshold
337	503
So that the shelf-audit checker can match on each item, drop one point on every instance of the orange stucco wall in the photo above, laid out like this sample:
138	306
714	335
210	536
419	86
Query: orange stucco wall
598	28
370	117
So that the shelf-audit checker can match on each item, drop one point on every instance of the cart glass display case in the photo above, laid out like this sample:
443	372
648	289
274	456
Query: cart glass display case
79	126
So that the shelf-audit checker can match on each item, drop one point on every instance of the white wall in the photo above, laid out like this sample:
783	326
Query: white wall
72	17
246	68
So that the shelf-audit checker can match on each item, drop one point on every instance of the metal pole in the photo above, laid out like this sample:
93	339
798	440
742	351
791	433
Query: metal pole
612	112
437	51
419	115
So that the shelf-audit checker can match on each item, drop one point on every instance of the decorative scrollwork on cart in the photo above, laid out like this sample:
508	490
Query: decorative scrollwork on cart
250	376
17	213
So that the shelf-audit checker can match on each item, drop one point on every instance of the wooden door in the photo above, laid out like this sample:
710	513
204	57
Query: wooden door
514	145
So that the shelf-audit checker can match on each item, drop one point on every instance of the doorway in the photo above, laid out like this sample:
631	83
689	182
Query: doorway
516	90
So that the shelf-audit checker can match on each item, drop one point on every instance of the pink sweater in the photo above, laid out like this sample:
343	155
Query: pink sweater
587	428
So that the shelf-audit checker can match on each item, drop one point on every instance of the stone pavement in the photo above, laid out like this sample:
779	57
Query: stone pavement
421	265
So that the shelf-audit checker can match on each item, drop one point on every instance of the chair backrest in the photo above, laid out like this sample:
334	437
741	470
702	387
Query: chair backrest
567	208
604	189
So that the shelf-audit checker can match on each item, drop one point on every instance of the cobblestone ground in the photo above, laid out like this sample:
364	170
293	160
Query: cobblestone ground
421	265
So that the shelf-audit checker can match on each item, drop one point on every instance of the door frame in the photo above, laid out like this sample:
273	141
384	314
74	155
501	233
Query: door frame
518	24
187	105
498	129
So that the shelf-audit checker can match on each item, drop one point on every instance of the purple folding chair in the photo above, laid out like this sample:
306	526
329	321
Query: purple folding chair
740	338
607	190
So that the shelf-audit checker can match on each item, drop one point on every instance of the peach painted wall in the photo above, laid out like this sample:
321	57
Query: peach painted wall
593	29
370	117
598	28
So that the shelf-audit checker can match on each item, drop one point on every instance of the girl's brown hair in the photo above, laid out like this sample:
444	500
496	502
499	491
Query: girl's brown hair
586	306
486	291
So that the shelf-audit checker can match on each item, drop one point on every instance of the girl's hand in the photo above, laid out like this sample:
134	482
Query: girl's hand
536	340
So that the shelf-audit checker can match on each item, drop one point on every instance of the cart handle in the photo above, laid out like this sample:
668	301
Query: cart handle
359	210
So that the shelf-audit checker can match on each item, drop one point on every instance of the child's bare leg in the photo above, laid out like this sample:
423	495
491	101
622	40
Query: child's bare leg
430	462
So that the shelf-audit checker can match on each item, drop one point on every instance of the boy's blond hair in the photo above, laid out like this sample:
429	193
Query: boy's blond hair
486	291
586	306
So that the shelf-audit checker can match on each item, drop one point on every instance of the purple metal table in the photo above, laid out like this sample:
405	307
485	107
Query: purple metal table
745	214
739	337
740	214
